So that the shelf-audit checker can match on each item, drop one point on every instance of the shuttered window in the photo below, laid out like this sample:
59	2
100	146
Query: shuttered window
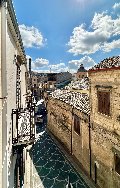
103	102
77	124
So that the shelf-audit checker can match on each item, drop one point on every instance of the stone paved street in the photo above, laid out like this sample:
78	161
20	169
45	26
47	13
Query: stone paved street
50	165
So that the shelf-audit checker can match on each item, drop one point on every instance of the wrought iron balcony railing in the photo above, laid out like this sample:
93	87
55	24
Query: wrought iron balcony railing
23	126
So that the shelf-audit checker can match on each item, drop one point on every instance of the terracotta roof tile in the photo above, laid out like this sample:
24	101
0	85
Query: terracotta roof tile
108	63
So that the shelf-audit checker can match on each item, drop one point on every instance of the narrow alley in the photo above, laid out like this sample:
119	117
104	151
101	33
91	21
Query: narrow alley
50	168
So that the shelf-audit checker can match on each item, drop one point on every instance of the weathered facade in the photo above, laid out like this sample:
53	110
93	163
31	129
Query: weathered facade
105	122
13	88
42	82
71	126
95	139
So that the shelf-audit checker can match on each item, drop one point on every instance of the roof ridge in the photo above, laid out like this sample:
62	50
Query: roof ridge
108	63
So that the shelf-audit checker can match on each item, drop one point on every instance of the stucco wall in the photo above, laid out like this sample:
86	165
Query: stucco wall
11	97
0	110
23	85
11	51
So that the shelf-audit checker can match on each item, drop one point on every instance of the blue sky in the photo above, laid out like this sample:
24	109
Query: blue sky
61	34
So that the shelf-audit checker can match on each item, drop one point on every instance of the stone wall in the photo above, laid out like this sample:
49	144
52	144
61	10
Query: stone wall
59	121
103	136
105	132
61	124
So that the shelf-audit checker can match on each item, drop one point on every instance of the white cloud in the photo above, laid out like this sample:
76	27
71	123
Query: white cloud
87	61
116	5
39	63
31	36
42	71
74	64
103	28
111	45
42	65
60	67
57	67
28	57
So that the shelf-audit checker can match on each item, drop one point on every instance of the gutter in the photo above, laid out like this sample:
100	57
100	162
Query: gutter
71	131
90	153
15	25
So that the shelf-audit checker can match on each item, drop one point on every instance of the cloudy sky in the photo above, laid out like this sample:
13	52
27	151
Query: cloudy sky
59	35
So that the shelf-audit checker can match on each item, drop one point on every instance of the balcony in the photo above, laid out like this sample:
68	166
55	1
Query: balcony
23	126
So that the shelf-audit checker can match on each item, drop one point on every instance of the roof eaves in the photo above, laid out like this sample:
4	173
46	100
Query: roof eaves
15	23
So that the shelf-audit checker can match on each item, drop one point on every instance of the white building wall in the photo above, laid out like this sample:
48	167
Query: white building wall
3	95
23	85
0	111
11	50
8	50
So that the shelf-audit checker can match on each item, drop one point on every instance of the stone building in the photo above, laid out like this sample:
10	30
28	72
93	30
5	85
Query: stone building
13	91
35	86
89	125
71	125
41	82
105	122
56	80
81	73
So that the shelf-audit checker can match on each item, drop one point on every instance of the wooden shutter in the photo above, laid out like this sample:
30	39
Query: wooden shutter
104	102
107	103
74	122
76	125
100	102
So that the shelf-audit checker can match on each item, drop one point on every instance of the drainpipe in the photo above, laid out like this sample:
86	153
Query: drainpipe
89	126
90	147
30	102
30	66
71	132
4	92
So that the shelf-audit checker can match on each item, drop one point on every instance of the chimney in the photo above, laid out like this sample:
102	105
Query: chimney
30	65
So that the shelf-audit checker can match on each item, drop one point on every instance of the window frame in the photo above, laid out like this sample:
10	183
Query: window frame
76	125
104	102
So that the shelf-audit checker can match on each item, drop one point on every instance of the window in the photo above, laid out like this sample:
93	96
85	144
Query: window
117	164
77	124
104	102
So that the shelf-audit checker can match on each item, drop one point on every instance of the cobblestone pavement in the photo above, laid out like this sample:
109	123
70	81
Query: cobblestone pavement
50	165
